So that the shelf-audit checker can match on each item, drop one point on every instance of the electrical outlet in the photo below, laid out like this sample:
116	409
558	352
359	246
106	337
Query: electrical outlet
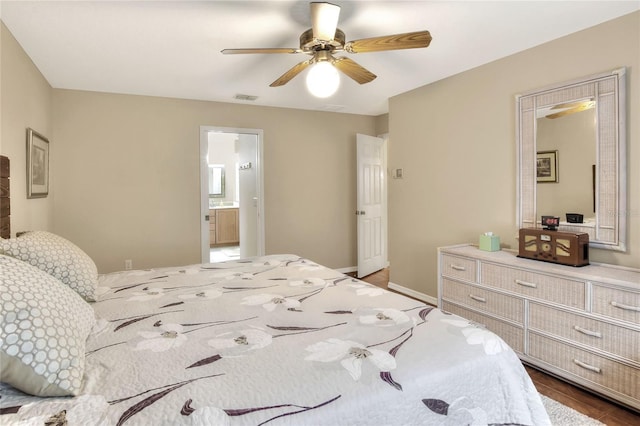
397	174
128	265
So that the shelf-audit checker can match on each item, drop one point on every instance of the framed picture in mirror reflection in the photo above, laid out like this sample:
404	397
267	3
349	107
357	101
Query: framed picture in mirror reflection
547	166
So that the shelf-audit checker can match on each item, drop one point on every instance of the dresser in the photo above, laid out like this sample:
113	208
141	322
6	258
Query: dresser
581	324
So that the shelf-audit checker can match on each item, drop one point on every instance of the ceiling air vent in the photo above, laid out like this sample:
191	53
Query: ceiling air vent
242	97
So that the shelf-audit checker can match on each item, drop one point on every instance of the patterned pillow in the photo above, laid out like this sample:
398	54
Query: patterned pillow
43	331
58	257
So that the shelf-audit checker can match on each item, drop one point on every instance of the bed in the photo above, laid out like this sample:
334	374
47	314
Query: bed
277	340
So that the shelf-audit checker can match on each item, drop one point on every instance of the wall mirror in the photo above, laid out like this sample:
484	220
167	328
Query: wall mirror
216	180
582	122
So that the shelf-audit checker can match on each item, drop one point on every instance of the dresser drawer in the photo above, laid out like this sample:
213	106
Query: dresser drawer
619	304
606	337
501	305
458	267
534	285
610	374
511	334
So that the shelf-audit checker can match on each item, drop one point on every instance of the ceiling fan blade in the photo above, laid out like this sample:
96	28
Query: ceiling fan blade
586	103
260	50
352	69
324	20
393	42
583	106
287	76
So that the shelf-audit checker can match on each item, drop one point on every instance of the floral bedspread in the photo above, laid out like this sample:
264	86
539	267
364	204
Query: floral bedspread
281	340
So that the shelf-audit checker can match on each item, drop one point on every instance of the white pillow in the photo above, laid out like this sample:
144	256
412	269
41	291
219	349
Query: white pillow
58	257
43	331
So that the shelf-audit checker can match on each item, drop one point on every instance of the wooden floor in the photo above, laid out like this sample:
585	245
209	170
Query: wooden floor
580	400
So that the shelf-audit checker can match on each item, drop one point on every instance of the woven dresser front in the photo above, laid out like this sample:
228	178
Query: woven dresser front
581	324
534	285
621	381
479	298
584	330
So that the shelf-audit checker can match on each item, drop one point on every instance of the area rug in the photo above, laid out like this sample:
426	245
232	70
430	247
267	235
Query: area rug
561	415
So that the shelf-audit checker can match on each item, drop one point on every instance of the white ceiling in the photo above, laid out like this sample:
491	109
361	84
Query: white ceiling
172	48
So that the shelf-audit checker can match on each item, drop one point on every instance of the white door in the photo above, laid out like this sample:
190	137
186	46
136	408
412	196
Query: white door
371	208
248	180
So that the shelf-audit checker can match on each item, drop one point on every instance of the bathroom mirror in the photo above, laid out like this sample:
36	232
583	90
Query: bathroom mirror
216	180
583	123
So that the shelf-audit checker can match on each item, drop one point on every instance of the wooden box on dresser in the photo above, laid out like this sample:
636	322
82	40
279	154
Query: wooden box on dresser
581	324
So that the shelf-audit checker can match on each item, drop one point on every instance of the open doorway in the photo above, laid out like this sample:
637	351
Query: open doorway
231	193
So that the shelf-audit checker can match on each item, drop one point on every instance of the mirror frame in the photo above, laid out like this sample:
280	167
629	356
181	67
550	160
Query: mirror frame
609	91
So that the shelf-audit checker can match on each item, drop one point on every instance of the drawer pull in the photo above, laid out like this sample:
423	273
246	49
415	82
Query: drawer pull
587	332
458	268
478	298
626	307
587	366
526	284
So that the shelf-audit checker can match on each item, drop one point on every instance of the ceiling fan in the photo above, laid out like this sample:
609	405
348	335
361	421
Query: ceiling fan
324	39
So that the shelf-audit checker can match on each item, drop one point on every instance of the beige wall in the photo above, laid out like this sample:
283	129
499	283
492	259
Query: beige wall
127	177
455	140
25	98
382	124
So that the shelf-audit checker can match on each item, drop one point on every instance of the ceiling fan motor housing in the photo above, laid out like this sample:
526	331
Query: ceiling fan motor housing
309	45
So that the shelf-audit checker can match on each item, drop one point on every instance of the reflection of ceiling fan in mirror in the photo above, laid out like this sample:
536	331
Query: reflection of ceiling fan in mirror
324	39
571	108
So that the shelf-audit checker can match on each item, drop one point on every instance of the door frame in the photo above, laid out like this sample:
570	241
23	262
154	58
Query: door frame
204	186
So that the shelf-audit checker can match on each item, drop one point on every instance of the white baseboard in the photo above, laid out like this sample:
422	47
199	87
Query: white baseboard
348	269
415	294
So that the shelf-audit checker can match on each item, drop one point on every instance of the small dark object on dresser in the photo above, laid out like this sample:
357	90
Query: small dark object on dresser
575	218
550	223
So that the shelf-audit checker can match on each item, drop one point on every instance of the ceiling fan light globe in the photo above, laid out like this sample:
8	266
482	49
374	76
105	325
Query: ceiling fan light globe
323	80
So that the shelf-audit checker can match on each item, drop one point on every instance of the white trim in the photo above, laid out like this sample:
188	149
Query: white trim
204	186
347	270
412	293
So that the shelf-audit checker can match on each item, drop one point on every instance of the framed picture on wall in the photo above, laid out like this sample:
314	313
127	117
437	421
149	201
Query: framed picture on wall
37	165
547	166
